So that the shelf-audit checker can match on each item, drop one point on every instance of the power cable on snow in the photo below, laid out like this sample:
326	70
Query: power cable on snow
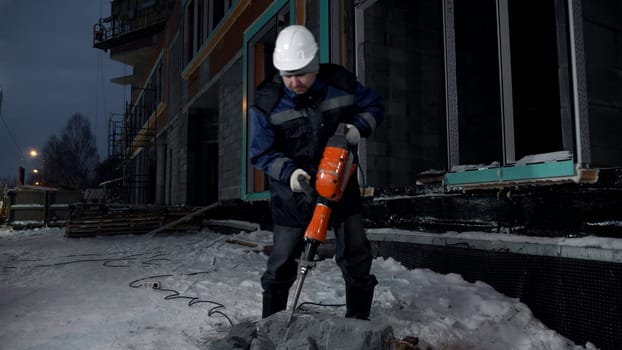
176	295
299	307
154	258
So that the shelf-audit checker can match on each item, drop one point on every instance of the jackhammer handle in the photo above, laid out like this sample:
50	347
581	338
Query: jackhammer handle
306	186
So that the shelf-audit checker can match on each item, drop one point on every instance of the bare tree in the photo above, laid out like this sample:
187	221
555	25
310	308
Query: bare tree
70	160
53	154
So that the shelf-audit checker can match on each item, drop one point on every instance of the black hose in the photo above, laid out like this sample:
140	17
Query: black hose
319	304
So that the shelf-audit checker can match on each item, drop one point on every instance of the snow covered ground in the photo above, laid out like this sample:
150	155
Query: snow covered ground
95	293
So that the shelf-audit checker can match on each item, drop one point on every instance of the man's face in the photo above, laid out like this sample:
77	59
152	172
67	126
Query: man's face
299	83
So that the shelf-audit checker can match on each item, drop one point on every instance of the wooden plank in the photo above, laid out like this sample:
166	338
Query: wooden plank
185	218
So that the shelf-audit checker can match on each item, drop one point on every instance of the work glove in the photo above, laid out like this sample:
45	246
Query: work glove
353	136
294	181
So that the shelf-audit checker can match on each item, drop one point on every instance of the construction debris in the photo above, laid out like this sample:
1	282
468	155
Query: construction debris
308	331
187	218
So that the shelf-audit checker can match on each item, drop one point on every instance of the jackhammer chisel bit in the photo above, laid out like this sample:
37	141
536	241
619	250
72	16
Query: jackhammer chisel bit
306	263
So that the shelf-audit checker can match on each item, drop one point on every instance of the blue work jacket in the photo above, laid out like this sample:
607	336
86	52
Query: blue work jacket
289	131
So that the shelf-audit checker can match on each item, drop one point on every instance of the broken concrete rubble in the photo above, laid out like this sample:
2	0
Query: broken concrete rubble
308	331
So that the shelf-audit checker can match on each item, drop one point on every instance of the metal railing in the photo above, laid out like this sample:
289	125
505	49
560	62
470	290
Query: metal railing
108	31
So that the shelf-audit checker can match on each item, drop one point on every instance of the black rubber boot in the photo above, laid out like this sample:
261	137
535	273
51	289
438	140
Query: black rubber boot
359	299
274	302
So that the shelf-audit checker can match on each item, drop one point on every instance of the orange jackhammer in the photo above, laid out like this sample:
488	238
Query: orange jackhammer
334	172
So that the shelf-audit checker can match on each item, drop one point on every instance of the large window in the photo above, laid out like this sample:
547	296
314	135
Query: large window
201	17
510	84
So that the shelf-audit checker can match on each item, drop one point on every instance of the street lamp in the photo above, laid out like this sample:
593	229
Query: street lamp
34	154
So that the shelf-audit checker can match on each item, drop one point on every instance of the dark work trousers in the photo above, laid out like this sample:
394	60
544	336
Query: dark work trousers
352	254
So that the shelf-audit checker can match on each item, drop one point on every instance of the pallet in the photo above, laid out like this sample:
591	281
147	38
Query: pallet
90	220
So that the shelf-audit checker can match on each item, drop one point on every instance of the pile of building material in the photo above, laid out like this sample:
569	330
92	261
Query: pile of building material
93	220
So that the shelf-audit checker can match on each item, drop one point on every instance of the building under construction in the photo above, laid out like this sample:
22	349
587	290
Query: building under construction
501	116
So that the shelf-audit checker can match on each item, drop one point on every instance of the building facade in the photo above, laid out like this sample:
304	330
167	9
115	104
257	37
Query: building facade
511	109
495	93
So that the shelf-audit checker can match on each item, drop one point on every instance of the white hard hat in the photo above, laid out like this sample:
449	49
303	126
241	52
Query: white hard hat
295	48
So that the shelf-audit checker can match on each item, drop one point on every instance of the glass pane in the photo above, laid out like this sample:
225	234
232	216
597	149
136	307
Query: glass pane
537	73
477	79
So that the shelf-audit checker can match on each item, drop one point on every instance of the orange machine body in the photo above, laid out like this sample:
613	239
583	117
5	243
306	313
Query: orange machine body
334	172
319	223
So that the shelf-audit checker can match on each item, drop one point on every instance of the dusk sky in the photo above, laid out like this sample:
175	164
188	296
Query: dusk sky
49	71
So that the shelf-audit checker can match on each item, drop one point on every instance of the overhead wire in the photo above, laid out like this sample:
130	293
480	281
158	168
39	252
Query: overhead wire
8	130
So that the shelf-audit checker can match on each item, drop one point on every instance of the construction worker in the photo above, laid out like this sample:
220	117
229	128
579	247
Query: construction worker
292	118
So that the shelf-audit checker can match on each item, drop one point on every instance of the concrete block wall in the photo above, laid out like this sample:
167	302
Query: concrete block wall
59	201
230	132
27	206
602	35
176	137
162	161
196	130
179	184
40	205
404	64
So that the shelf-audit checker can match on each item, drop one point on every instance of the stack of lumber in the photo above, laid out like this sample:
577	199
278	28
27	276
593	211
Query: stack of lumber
94	220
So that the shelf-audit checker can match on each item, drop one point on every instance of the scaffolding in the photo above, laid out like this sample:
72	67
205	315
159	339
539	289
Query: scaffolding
130	137
130	33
